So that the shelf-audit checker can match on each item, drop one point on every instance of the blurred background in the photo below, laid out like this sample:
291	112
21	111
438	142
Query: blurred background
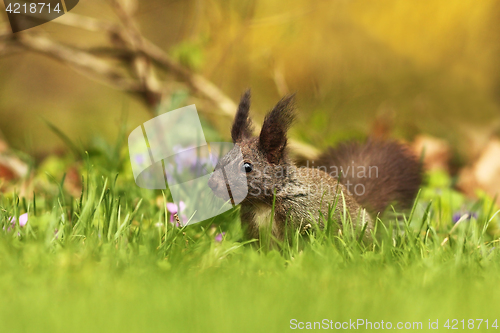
426	72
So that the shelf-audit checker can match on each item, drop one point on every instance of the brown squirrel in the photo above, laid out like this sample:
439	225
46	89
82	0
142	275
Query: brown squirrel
365	177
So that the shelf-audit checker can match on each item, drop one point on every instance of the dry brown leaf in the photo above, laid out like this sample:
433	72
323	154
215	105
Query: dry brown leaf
484	173
436	152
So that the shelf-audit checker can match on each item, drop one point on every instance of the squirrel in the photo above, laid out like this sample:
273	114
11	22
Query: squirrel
361	180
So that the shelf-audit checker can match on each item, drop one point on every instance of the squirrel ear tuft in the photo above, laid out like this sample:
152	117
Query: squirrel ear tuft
272	139
242	125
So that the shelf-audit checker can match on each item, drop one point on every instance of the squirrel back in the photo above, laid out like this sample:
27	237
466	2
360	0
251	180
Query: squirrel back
376	173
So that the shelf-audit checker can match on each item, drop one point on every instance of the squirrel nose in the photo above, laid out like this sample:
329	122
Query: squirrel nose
212	183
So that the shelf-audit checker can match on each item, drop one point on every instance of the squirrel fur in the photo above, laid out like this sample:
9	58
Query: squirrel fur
304	195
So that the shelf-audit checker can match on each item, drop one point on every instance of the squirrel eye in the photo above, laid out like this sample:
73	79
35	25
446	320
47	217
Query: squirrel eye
247	167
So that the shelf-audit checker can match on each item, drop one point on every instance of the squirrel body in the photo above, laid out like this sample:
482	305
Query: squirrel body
304	195
309	195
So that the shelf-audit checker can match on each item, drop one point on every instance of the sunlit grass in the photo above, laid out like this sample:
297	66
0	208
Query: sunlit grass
111	260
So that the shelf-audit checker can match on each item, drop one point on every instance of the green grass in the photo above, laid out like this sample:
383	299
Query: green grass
109	260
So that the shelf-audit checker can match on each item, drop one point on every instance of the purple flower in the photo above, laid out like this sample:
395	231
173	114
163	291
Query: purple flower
185	158
458	215
188	158
139	159
170	172
12	221
218	237
174	209
23	219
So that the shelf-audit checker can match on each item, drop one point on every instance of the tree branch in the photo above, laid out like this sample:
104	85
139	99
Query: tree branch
137	53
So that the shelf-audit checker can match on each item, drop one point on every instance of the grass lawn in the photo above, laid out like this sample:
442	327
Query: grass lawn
110	260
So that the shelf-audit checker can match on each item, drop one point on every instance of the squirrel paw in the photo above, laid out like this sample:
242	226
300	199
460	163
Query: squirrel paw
305	228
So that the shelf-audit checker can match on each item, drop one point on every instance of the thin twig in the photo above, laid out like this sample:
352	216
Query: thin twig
140	63
83	62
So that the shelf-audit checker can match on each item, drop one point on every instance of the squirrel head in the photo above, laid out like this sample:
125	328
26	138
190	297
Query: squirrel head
264	166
